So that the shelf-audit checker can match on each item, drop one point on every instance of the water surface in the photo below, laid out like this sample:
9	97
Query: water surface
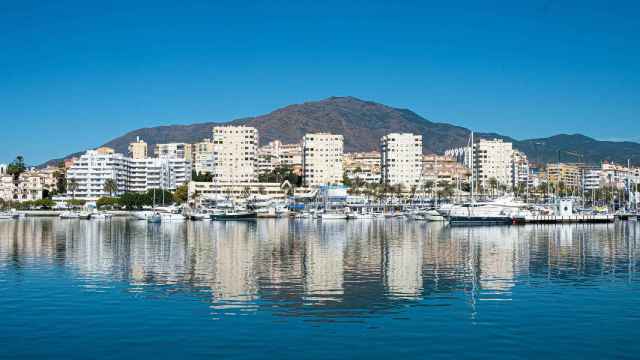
310	290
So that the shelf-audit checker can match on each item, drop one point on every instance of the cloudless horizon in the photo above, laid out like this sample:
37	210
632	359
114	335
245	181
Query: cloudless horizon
77	74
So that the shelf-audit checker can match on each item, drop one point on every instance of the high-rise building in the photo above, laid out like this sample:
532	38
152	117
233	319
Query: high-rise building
519	169
322	159
138	149
492	159
401	161
203	157
568	174
234	154
174	151
157	173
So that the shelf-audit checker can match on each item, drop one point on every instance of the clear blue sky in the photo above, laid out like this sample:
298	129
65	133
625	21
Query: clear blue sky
75	74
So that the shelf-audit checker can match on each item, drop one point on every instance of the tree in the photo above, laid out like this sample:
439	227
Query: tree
72	186
493	185
181	195
110	187
427	187
17	167
110	202
61	181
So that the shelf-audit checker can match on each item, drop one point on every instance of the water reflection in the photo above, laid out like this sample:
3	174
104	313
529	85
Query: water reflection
331	269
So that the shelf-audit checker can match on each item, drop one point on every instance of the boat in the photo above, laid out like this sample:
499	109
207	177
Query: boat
101	215
155	218
235	215
172	217
433	215
9	215
70	215
142	215
333	215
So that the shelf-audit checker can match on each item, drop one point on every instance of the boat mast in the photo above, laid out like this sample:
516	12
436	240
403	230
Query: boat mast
472	168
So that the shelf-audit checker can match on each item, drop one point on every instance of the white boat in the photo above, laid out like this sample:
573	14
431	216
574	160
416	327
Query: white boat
155	218
172	217
70	215
101	215
9	216
333	215
142	215
433	215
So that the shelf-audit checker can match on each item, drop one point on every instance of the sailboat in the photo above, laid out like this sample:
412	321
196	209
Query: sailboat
155	218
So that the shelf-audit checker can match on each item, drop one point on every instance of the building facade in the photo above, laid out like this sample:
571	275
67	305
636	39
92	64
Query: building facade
235	154
362	166
138	149
174	151
401	159
276	154
203	157
322	159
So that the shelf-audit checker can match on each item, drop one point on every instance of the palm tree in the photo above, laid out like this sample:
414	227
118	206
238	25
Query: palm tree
427	187
72	186
493	184
111	187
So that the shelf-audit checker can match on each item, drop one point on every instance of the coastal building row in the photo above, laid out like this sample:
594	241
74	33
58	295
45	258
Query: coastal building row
31	185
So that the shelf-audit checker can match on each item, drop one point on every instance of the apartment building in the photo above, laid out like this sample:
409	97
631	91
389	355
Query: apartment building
362	166
491	159
276	154
568	174
138	149
401	159
322	159
443	168
235	154
520	169
203	157
92	170
174	151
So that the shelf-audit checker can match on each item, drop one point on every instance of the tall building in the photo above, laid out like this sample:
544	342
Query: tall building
234	154
203	157
401	161
174	151
138	149
519	169
322	159
492	159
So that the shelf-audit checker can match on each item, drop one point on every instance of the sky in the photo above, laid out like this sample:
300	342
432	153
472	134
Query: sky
75	74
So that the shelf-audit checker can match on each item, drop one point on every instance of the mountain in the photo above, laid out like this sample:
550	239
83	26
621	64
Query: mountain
363	123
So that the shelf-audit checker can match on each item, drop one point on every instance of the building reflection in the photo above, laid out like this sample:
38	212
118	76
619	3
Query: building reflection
301	265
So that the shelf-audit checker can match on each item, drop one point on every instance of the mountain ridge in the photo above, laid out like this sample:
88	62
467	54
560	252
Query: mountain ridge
363	122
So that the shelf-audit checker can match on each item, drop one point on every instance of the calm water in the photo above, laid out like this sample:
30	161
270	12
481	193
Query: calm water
304	289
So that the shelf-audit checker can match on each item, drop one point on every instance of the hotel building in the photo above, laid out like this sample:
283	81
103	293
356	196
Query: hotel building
234	154
322	159
138	149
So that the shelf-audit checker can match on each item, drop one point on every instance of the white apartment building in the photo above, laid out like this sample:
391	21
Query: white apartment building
138	149
276	154
157	173
362	166
401	159
93	169
322	159
174	151
203	157
592	179
234	154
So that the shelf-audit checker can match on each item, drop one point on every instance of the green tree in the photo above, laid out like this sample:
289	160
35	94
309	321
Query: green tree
493	185
181	195
110	187
107	202
17	167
